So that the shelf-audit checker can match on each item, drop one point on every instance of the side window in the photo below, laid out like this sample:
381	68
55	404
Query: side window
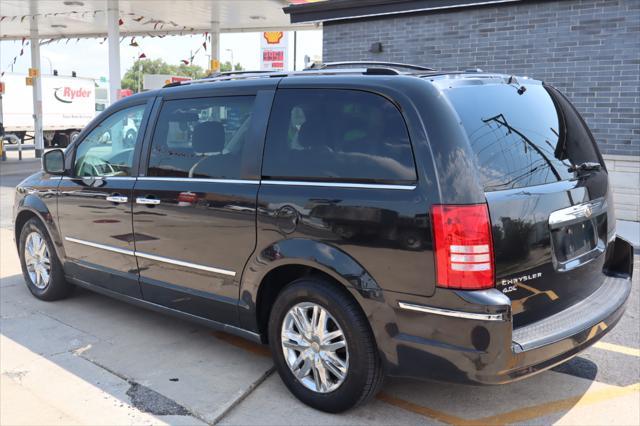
340	135
201	137
108	149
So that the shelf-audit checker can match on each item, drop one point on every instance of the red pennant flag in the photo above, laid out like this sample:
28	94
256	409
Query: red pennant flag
184	61
142	56
120	21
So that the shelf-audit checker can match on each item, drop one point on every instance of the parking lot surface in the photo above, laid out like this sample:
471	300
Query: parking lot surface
93	360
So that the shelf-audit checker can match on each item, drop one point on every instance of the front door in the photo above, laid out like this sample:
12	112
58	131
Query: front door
94	207
194	210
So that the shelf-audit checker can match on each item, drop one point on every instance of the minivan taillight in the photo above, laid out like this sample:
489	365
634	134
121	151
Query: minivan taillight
463	246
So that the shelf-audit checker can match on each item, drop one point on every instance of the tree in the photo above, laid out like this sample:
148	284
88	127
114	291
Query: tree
131	79
226	66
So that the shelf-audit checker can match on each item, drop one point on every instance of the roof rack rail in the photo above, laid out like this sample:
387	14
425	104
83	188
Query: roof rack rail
239	72
218	76
346	64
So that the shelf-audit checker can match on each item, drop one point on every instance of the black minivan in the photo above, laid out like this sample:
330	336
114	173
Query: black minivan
364	219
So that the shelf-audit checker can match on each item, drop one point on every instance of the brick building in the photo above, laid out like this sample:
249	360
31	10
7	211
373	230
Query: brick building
589	49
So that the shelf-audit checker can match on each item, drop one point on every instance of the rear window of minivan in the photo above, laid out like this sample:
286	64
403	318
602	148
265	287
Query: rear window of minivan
521	138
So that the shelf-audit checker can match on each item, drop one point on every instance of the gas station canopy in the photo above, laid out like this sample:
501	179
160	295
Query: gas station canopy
42	21
88	18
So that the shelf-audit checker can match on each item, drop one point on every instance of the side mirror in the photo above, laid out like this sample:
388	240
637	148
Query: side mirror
53	162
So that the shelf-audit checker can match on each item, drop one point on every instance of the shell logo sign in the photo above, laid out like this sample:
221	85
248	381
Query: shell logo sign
273	37
273	50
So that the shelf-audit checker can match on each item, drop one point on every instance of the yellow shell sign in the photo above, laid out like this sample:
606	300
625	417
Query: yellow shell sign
273	37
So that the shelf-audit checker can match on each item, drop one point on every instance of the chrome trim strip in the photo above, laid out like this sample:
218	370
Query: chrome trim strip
339	185
450	313
101	246
100	177
171	179
152	257
187	264
577	213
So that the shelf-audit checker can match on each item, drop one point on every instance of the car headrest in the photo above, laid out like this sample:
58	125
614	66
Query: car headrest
312	134
208	137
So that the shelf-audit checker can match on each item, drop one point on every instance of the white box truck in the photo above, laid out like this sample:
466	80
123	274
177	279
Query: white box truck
68	104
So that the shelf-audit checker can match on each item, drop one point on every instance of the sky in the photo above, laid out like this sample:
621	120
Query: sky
89	58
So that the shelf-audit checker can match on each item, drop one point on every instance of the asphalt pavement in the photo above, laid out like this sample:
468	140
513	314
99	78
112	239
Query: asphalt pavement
93	360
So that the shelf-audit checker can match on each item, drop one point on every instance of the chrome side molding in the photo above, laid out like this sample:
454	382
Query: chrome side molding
101	246
186	179
339	184
450	313
186	264
153	257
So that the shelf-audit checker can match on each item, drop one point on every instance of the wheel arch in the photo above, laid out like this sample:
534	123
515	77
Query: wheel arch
285	261
32	206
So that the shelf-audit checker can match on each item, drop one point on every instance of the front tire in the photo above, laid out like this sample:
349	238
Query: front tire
41	267
323	347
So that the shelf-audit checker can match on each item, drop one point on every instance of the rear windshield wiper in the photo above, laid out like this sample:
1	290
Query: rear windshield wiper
583	167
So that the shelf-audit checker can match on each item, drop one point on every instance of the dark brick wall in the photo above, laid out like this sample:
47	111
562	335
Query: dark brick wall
589	49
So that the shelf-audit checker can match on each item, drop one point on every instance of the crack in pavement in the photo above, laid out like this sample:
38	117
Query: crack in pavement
243	396
147	400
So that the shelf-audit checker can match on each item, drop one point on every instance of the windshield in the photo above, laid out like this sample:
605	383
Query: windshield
518	136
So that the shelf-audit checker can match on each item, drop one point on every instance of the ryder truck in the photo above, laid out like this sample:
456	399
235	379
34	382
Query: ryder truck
68	104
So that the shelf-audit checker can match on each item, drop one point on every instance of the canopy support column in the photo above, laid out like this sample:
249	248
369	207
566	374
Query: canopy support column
37	91
215	46
113	36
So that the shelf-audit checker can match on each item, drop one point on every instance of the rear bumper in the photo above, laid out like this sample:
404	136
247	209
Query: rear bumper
489	351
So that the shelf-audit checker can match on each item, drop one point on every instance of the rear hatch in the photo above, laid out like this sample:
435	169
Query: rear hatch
546	189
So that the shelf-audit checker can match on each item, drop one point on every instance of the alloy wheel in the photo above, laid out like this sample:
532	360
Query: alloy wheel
37	259
315	347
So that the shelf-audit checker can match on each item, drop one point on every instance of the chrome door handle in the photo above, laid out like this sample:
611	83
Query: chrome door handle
117	199
148	201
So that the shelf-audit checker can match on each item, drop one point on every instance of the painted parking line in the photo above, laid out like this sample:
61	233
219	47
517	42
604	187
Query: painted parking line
440	416
617	348
519	415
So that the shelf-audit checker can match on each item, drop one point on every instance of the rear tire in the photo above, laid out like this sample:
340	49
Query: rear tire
41	267
363	375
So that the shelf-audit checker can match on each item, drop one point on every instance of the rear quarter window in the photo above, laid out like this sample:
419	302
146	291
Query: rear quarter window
337	135
521	140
